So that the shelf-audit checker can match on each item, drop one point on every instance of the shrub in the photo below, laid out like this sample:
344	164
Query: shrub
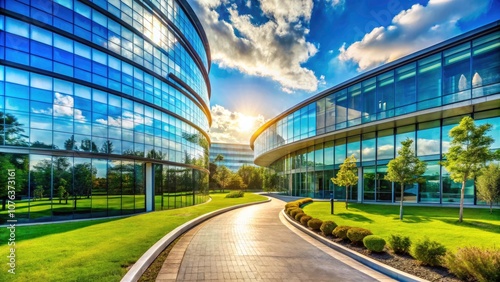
292	204
428	252
341	231
305	201
473	263
305	219
327	227
299	216
295	211
374	243
235	194
356	234
315	223
399	244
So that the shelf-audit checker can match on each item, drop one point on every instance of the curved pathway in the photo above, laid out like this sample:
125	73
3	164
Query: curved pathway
253	244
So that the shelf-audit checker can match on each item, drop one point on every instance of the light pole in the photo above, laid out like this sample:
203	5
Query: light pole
331	202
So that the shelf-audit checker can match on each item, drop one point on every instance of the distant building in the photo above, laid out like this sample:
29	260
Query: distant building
235	155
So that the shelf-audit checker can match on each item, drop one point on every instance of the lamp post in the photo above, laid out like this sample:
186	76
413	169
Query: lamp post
331	202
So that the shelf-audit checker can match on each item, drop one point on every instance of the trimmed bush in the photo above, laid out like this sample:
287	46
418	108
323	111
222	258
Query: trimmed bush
295	211
299	216
305	219
428	252
341	231
315	224
473	263
357	234
291	204
235	194
374	243
399	244
327	227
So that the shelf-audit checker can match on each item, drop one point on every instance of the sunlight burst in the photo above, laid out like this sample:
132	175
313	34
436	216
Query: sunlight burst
245	123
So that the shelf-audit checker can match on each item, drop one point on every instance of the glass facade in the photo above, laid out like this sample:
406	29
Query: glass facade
235	155
421	97
104	107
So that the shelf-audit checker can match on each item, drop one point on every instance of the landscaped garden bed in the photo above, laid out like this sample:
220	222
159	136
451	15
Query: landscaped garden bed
472	263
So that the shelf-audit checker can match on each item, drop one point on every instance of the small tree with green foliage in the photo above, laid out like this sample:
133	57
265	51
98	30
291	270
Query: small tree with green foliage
347	176
468	152
223	176
488	185
405	169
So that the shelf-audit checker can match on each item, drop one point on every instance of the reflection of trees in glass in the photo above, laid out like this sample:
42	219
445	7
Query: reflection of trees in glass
21	165
56	172
38	144
83	175
11	131
157	155
107	147
88	146
70	143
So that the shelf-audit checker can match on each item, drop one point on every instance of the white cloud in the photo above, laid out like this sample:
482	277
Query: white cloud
63	107
337	4
275	49
233	127
411	30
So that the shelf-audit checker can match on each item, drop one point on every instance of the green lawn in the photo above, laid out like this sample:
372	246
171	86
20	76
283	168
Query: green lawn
97	250
480	228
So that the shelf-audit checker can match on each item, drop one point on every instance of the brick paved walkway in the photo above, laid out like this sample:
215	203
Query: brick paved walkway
252	244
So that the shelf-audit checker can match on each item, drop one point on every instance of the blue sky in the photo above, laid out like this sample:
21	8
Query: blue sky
268	55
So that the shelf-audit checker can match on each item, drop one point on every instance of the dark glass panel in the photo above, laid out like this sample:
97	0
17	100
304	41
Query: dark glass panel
83	174
430	188
40	206
369	183
429	82
100	188
62	207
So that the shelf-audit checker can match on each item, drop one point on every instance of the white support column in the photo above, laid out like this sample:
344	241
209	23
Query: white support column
360	185
149	187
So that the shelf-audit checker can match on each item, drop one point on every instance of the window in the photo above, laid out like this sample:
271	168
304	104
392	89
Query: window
429	82
405	89
456	74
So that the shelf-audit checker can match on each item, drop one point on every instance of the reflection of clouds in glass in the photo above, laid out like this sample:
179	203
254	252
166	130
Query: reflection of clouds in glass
63	107
427	146
368	153
126	121
446	146
386	151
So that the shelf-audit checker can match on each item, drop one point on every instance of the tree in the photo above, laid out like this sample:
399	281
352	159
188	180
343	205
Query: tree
467	154
222	176
219	158
62	191
347	176
236	182
271	180
488	185
405	169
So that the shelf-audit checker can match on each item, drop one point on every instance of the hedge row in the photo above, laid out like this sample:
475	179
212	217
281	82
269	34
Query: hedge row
426	252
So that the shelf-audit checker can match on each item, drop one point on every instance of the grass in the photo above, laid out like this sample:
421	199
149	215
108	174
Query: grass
97	250
479	228
114	204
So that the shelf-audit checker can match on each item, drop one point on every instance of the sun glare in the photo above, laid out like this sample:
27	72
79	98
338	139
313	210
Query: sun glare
245	123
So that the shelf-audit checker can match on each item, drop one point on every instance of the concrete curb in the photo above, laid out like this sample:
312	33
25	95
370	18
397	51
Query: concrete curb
150	255
374	264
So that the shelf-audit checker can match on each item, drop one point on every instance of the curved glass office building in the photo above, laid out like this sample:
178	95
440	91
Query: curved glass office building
104	107
421	97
